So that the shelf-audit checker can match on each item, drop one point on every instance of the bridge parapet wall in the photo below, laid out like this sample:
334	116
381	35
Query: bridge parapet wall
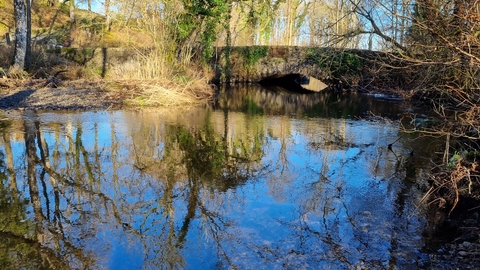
252	64
349	67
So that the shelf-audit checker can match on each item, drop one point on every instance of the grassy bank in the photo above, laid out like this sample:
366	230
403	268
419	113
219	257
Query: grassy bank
147	80
153	77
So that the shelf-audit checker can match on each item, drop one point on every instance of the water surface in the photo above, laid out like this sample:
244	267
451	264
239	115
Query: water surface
260	180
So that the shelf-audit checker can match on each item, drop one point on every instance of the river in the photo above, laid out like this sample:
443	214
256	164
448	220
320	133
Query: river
261	179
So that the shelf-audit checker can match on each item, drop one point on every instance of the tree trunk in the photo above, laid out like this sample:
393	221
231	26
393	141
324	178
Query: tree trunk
72	12
107	14
31	149
20	34
10	164
28	51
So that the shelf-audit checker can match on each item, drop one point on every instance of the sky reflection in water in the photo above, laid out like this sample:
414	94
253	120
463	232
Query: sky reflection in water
264	182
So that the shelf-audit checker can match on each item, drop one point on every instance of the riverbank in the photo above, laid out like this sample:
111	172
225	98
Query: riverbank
78	97
453	241
95	95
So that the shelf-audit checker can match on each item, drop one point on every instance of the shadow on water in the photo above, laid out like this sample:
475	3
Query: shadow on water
263	180
257	99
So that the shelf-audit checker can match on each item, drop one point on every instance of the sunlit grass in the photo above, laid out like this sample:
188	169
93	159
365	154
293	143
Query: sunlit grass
157	93
160	80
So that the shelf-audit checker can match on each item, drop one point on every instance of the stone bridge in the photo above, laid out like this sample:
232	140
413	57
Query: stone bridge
301	68
312	68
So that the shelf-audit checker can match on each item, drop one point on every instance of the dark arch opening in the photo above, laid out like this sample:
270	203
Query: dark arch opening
290	82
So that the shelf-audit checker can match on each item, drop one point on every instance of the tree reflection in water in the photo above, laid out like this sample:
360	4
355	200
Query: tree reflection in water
202	188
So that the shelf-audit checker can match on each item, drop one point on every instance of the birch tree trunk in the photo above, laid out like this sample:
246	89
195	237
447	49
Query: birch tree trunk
20	34
30	150
72	11
28	50
107	14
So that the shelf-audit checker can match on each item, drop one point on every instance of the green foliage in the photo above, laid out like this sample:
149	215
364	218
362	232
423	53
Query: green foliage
80	56
349	62
14	225
252	108
261	15
186	23
204	156
204	18
95	24
337	63
65	9
17	249
472	155
456	158
251	55
208	37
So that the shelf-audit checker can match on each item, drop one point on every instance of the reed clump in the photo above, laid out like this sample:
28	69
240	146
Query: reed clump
459	177
160	80
158	93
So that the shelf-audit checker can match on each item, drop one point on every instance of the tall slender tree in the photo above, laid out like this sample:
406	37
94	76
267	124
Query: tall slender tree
23	25
20	34
107	14
28	51
72	11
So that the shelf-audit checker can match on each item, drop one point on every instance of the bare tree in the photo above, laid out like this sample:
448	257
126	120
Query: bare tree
107	14
28	51
72	11
20	34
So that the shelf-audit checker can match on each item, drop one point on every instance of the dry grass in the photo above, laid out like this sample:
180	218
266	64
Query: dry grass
460	177
16	73
6	55
151	78
151	65
455	174
156	93
161	81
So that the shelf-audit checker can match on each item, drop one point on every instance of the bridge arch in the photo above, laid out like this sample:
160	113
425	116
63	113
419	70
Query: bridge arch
290	66
295	81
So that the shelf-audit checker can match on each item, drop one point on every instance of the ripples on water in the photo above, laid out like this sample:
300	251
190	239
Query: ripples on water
261	180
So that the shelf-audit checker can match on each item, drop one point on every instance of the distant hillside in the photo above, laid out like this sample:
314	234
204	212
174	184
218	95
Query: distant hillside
6	16
89	30
42	17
